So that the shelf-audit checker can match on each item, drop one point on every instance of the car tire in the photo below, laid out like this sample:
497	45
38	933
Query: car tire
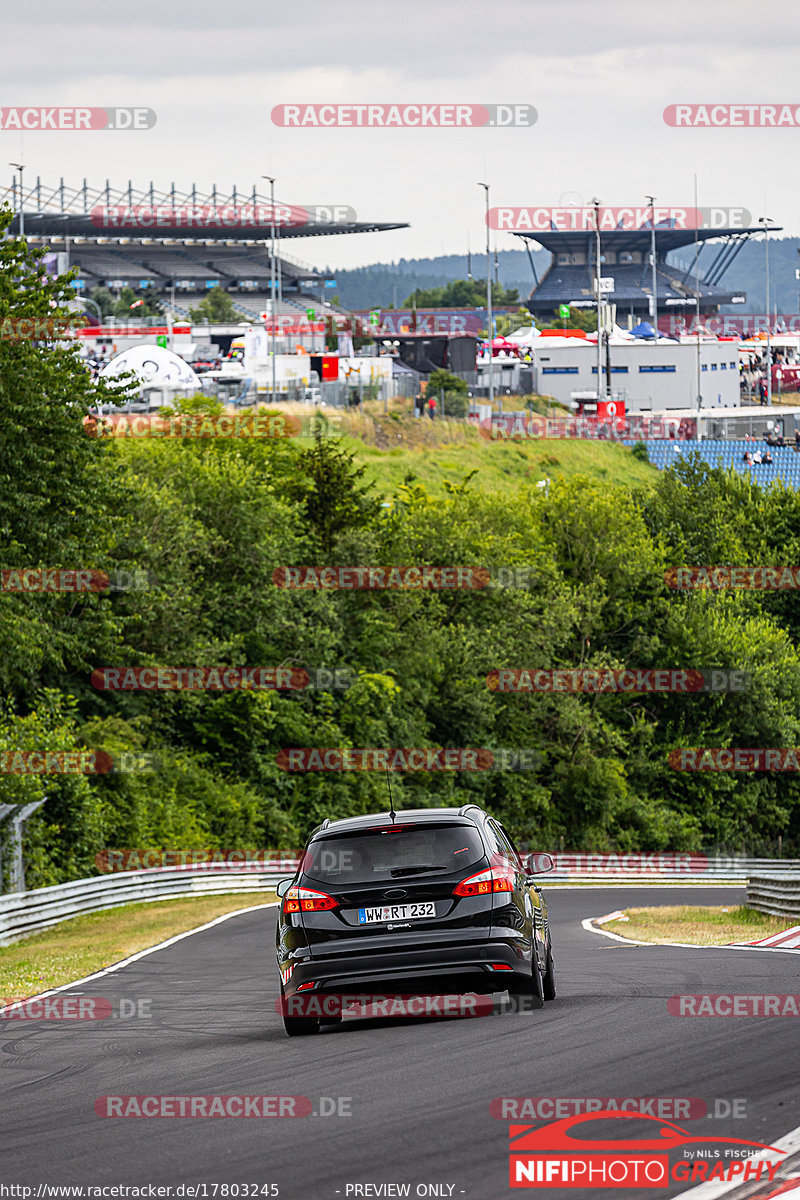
549	980
529	988
298	1026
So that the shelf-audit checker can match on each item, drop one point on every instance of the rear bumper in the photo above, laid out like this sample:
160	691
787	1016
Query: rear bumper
445	970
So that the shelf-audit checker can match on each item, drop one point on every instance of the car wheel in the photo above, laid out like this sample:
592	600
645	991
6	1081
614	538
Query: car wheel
529	988
298	1026
549	981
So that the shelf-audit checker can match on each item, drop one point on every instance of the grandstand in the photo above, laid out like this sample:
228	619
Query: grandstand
625	258
729	455
179	245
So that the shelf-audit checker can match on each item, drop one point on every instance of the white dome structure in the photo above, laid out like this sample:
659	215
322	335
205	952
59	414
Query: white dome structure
154	366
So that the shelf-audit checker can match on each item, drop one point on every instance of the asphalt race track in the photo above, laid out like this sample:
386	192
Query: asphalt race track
419	1090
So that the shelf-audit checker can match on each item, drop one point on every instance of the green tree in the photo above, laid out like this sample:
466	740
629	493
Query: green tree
216	307
151	306
104	300
61	503
509	322
330	489
461	293
454	390
49	467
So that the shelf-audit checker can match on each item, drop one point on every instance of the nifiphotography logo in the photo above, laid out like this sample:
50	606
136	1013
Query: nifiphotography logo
552	1156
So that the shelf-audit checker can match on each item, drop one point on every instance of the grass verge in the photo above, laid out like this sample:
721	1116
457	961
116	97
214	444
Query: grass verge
84	945
699	926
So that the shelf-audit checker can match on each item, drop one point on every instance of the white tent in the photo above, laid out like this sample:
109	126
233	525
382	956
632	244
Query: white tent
154	366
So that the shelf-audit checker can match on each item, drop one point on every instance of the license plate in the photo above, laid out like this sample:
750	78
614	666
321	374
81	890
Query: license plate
396	912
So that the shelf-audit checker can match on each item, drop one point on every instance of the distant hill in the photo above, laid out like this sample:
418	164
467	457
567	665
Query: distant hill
386	285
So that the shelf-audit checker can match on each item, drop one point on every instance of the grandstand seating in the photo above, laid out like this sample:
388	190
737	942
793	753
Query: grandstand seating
243	271
106	263
728	455
631	282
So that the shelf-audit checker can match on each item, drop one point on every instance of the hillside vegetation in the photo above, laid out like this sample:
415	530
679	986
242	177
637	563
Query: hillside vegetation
211	522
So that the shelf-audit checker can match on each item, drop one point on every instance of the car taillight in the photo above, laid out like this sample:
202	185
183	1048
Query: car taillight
302	899
494	879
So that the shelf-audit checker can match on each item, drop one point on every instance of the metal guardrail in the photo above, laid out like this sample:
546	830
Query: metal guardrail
661	868
777	895
22	913
773	882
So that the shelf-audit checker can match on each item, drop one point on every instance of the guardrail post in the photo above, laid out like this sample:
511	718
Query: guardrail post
16	880
5	809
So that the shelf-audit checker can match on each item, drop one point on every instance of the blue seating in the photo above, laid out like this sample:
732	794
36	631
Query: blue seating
729	454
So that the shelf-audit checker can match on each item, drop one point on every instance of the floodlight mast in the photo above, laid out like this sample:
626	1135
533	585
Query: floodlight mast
271	180
766	221
20	167
652	200
490	330
596	204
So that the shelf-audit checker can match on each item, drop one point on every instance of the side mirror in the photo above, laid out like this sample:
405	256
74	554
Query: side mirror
538	864
284	886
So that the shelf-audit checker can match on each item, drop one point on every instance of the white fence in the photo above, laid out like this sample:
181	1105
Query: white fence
778	895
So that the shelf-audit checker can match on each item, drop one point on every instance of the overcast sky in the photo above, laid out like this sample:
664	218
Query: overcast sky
599	73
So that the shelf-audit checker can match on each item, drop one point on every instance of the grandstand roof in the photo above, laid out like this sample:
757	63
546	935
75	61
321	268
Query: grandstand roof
678	287
151	213
559	240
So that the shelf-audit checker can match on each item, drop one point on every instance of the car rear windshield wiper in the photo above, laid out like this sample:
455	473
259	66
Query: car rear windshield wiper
396	871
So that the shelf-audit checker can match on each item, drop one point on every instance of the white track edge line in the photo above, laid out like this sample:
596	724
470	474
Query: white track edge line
139	954
589	925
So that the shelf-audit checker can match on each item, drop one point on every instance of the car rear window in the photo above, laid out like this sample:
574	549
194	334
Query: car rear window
393	852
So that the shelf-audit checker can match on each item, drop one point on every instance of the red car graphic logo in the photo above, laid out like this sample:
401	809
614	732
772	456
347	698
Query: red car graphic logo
556	1136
